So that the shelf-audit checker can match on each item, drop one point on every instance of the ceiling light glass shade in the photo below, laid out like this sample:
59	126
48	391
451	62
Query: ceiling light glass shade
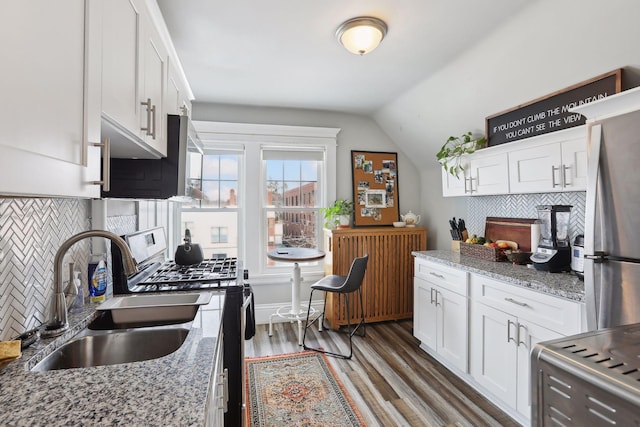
361	35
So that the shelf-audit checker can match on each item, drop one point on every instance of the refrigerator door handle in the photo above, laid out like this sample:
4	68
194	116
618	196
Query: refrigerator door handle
595	141
598	257
590	286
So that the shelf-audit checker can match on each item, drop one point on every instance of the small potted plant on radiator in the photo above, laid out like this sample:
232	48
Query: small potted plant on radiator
338	214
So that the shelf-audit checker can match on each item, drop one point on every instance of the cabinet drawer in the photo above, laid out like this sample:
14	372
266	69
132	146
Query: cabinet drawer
558	314
446	277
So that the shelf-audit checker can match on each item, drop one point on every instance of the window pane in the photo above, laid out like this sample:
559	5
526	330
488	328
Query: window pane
275	170
211	166
291	170
309	170
291	229
229	193
204	224
292	193
229	167
211	194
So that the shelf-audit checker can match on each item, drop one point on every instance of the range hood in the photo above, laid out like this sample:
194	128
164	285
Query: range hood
162	178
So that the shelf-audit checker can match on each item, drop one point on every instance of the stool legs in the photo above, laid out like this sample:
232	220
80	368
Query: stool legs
350	332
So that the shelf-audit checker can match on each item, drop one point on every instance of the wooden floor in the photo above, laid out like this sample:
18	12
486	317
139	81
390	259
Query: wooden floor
391	380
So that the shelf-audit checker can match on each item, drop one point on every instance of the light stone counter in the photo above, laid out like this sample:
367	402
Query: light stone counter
564	285
169	391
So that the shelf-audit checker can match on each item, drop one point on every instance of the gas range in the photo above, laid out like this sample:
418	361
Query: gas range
156	274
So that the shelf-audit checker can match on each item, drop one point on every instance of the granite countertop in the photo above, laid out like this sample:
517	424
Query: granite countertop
565	285
169	391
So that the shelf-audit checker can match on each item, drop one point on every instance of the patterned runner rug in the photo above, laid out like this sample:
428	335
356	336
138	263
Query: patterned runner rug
298	389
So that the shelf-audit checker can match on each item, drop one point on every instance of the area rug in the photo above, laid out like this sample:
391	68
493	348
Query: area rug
298	389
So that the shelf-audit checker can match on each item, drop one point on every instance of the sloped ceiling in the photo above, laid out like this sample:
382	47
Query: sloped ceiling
284	53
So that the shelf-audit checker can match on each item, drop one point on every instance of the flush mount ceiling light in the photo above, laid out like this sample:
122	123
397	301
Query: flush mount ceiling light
361	35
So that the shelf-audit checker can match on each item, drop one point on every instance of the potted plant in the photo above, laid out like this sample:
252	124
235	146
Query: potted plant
338	214
450	155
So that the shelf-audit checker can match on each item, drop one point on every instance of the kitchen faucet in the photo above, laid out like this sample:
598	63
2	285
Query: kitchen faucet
58	323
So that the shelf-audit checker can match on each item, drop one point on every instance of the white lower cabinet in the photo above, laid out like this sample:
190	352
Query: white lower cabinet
484	329
440	314
501	345
505	326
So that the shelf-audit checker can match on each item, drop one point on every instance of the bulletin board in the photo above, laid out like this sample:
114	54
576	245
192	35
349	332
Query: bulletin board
375	188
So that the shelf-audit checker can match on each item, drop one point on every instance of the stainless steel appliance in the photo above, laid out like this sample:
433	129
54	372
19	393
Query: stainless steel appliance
612	221
161	178
591	379
156	274
577	256
554	251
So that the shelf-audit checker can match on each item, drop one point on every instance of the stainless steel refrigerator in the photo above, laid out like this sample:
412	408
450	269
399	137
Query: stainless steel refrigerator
612	222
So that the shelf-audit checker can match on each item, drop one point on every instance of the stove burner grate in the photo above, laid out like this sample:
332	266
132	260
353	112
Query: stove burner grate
210	270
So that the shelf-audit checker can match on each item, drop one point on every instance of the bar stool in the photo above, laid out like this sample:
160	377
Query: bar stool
344	285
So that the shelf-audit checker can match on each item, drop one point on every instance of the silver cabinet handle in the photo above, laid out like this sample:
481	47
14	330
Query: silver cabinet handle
432	299
471	190
521	304
153	122
439	276
509	338
465	185
437	303
565	183
147	128
106	164
525	331
553	175
223	384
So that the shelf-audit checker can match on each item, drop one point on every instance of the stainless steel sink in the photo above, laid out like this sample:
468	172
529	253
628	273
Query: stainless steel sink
113	348
141	309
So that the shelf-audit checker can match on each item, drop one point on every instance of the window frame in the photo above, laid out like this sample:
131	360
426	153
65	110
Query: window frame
252	139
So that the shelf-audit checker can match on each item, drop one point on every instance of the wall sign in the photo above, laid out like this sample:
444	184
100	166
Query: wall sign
375	187
550	113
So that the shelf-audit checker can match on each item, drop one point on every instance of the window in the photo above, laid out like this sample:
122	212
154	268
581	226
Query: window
219	234
291	214
212	217
282	176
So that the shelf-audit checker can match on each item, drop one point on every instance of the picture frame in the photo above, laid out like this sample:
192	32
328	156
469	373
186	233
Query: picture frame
375	188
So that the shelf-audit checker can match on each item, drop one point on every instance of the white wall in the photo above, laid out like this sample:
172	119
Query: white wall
548	46
357	133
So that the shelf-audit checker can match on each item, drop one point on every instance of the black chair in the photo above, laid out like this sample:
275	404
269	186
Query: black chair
344	285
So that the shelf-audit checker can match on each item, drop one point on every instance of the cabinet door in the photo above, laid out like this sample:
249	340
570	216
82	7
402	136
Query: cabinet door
452	328
536	169
153	80
454	186
121	45
574	164
51	108
489	174
425	313
529	334
493	351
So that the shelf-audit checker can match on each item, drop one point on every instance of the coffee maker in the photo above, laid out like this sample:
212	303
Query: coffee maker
554	250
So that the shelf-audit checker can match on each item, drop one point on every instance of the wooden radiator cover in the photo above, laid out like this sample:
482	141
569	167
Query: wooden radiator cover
388	282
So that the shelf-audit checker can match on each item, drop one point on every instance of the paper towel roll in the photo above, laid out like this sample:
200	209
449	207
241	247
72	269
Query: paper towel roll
535	236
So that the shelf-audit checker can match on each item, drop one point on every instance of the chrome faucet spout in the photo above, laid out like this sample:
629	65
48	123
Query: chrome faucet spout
58	322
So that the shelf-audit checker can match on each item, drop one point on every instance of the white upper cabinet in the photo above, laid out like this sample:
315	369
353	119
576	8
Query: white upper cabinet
552	162
134	80
50	114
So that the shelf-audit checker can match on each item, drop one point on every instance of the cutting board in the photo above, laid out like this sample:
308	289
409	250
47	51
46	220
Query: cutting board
515	229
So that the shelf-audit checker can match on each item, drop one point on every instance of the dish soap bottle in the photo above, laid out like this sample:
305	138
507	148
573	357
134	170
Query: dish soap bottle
78	302
97	279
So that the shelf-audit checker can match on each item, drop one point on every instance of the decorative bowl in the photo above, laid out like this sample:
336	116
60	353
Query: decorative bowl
399	224
518	257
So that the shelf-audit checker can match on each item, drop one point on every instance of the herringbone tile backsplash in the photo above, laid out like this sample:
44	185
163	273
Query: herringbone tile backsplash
523	206
31	231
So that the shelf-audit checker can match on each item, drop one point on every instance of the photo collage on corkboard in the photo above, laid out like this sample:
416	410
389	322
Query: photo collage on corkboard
375	188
